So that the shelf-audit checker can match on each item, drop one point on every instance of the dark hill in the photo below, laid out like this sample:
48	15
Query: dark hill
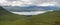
8	18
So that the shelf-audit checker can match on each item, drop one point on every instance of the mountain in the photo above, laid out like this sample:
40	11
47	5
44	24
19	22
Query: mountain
31	8
50	8
48	18
8	18
24	9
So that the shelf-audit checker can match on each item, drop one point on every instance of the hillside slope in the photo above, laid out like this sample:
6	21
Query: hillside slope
49	18
5	14
8	18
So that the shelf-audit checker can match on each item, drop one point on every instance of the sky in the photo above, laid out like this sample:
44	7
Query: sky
29	2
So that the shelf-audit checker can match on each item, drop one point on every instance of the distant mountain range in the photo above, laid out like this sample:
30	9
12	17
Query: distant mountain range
31	8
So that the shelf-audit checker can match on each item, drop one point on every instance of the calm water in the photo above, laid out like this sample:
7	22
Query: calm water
29	13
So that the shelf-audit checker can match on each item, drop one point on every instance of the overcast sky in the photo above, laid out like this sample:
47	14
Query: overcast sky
29	2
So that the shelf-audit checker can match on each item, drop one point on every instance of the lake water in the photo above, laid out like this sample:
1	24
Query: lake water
29	13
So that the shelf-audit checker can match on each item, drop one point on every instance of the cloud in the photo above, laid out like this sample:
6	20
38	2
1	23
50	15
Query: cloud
48	4
15	2
29	2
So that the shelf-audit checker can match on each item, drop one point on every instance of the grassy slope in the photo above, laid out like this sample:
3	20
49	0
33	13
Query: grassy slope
7	18
49	18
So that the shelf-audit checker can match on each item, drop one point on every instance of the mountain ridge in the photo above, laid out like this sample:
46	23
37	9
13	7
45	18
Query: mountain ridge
31	8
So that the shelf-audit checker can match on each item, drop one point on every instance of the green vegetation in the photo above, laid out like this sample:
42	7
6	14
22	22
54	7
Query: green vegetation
48	18
8	18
